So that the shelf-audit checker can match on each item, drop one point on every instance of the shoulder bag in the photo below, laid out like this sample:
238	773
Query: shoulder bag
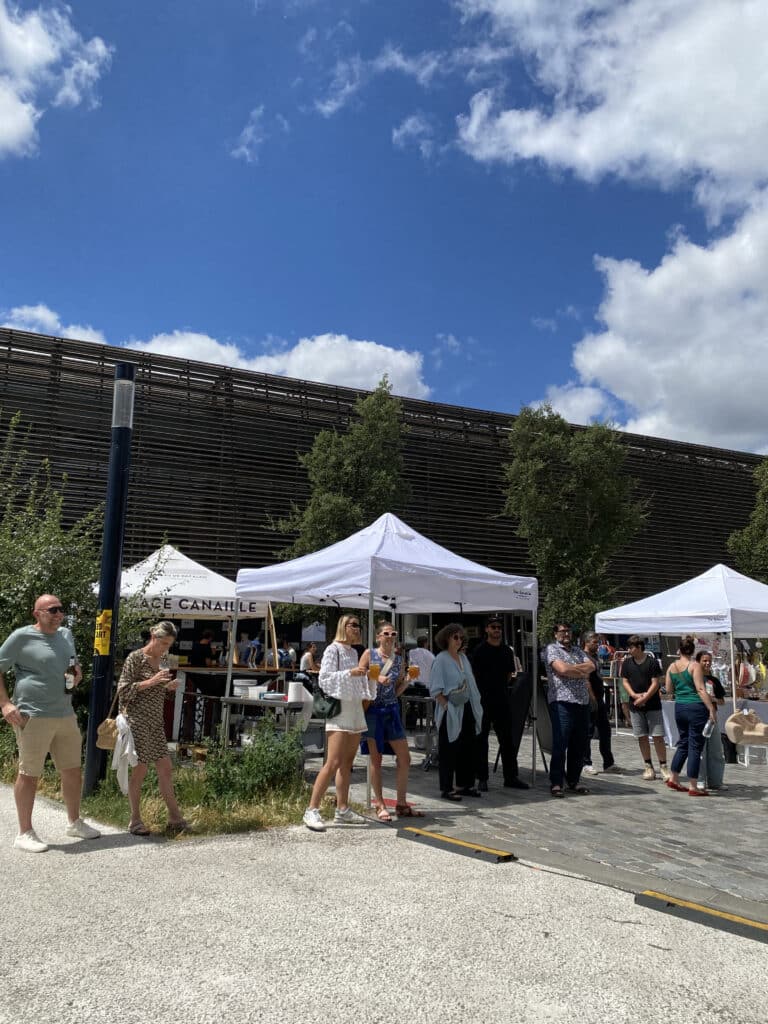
323	706
106	733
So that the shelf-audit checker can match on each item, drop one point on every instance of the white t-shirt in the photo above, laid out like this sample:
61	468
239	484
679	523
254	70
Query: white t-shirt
422	659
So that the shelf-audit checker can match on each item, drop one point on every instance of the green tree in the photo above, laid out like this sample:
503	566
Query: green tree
354	478
749	547
575	508
37	554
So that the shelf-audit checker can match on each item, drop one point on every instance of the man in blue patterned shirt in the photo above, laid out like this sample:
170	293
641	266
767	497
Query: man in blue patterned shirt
568	695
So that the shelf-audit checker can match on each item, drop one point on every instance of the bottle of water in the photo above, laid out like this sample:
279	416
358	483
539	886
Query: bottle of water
708	729
69	675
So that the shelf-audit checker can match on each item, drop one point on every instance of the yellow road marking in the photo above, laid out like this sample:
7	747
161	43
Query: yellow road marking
459	842
705	910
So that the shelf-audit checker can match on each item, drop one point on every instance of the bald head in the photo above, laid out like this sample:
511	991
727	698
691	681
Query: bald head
46	619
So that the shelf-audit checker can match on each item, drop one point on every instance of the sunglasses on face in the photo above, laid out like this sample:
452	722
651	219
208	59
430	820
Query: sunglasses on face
54	610
354	625
387	634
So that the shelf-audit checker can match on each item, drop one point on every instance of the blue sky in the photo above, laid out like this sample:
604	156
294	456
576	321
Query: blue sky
497	202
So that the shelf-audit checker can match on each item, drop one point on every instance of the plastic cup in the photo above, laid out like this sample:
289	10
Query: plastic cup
413	671
374	670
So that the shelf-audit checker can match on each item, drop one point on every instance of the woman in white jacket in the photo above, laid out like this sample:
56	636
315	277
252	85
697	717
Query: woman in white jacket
341	677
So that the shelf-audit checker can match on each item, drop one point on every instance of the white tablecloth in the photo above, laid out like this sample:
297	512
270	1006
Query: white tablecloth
724	711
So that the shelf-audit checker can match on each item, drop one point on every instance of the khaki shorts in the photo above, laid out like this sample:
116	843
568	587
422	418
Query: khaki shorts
58	736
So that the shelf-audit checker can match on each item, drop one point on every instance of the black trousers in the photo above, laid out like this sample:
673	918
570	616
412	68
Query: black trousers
602	725
457	758
505	713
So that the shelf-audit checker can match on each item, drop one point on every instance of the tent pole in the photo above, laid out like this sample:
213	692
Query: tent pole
230	662
535	680
733	668
370	647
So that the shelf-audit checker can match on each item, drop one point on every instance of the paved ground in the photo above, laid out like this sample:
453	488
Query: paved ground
635	834
352	925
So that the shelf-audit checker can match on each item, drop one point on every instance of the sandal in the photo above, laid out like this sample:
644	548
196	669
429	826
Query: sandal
556	791
579	790
382	813
139	829
178	826
451	796
406	811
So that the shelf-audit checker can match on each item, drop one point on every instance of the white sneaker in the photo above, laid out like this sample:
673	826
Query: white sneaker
664	773
312	819
349	817
29	843
589	769
79	830
649	774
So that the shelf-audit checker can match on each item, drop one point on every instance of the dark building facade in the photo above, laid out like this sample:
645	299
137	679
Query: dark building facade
214	458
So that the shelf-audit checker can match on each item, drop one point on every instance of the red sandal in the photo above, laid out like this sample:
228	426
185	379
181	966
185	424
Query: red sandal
406	811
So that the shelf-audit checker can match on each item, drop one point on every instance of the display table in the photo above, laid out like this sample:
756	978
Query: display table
724	711
291	709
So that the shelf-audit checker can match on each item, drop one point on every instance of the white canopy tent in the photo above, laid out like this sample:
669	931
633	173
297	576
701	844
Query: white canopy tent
720	600
171	584
389	566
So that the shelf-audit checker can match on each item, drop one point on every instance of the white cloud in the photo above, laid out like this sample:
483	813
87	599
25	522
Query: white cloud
415	130
684	345
349	76
40	319
579	404
326	358
673	91
251	138
43	61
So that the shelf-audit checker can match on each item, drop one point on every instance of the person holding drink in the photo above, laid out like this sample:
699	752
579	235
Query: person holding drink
384	666
145	683
343	678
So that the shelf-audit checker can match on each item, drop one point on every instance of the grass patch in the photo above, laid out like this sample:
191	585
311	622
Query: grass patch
260	787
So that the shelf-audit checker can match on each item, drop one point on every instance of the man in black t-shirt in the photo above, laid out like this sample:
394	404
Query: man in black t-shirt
642	675
493	664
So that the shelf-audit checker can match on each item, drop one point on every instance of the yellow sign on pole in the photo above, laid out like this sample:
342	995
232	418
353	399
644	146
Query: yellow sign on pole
103	634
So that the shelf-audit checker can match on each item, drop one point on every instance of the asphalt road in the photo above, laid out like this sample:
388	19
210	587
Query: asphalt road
355	925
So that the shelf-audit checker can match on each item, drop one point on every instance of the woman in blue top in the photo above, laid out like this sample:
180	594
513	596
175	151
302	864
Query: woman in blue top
693	709
458	713
383	721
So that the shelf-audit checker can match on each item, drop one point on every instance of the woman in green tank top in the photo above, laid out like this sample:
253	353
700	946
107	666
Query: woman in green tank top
693	709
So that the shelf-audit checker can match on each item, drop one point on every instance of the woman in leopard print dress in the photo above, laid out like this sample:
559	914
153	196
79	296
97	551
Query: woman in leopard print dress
142	690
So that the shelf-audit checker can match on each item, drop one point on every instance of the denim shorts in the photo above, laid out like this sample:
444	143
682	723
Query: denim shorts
646	723
392	726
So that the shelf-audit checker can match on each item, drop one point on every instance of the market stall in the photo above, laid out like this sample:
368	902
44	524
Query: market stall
389	566
720	600
168	584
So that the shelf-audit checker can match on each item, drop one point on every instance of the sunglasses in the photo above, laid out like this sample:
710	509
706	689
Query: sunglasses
354	625
54	610
387	634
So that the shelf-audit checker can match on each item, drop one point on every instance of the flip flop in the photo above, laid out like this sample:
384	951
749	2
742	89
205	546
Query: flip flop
579	790
177	826
406	811
556	791
139	829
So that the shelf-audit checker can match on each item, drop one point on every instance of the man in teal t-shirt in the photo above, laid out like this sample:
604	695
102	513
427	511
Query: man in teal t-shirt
42	717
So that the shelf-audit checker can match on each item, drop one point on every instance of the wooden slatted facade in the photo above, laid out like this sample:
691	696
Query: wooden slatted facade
214	456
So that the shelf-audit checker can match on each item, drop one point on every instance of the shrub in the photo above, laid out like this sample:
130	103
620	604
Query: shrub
272	762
